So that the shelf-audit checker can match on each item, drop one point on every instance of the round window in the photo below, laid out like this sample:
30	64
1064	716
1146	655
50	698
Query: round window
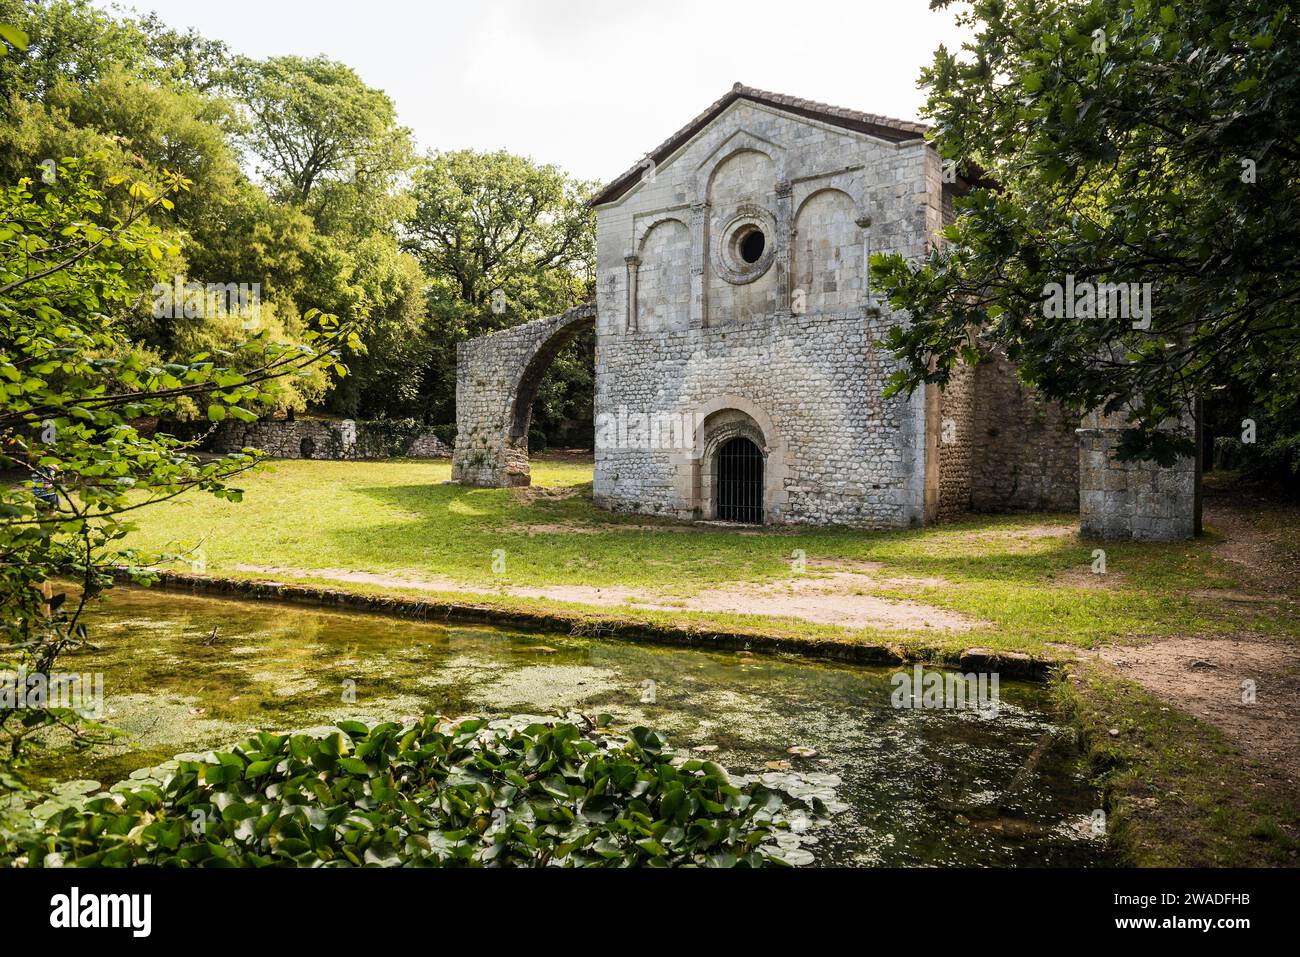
751	245
742	248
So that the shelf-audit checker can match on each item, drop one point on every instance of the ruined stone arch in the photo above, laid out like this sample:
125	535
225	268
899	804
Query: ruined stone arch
497	377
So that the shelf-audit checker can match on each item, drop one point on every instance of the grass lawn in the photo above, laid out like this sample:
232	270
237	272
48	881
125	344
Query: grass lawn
1025	581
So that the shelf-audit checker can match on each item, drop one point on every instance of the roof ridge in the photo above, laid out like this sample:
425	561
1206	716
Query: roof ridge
872	123
880	118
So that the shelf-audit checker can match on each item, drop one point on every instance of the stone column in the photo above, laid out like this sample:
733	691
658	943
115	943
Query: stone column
864	224
699	259
784	240
633	262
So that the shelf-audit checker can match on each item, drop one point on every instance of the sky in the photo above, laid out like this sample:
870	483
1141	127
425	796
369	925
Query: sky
589	86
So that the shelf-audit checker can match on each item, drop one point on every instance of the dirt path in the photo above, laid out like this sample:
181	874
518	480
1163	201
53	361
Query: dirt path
842	598
1247	686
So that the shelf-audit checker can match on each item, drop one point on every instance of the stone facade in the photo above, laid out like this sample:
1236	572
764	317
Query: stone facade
735	317
327	439
1138	500
776	340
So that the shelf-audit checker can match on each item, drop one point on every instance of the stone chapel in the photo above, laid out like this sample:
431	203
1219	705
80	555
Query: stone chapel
739	375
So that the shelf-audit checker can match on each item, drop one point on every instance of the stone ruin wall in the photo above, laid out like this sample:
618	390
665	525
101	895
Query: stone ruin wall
496	379
1027	447
956	443
1138	500
324	439
1003	447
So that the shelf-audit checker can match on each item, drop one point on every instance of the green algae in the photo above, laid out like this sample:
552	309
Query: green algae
919	787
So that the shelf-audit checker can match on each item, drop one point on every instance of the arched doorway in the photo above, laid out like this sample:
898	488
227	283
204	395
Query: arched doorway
739	481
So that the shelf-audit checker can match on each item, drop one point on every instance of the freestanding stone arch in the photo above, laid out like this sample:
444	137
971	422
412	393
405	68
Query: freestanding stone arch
497	377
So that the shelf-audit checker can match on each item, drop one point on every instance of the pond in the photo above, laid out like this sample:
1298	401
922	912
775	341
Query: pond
917	787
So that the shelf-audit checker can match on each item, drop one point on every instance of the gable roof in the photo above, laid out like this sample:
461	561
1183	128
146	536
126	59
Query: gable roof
884	127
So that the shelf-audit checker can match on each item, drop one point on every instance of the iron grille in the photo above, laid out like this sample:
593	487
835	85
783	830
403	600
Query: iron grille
740	482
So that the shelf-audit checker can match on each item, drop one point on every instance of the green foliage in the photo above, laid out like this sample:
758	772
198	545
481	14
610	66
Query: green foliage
330	147
72	391
1133	142
13	39
314	123
72	41
136	100
324	232
516	791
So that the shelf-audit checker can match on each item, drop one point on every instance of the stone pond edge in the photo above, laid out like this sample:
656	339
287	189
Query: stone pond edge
1011	663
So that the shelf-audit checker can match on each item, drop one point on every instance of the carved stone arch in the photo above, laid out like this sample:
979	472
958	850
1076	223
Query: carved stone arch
829	246
660	292
646	224
497	377
718	421
839	184
741	141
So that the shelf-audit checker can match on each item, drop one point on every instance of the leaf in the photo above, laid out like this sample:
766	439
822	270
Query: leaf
14	37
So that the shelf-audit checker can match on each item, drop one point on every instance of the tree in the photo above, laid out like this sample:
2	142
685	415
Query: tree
74	394
70	40
160	106
1131	143
503	240
314	121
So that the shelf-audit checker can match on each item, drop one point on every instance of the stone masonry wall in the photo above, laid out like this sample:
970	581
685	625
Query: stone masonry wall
956	443
1025	450
1138	500
327	439
836	451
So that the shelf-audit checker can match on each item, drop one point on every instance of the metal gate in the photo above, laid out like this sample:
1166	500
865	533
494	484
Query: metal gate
740	482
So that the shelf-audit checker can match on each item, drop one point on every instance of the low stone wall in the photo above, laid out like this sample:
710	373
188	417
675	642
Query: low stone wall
1137	499
328	439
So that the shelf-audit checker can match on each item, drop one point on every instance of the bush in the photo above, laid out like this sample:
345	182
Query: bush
1228	453
446	434
514	791
536	440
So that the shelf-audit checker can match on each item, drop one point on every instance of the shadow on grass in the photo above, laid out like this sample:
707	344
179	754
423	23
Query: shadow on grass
457	531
